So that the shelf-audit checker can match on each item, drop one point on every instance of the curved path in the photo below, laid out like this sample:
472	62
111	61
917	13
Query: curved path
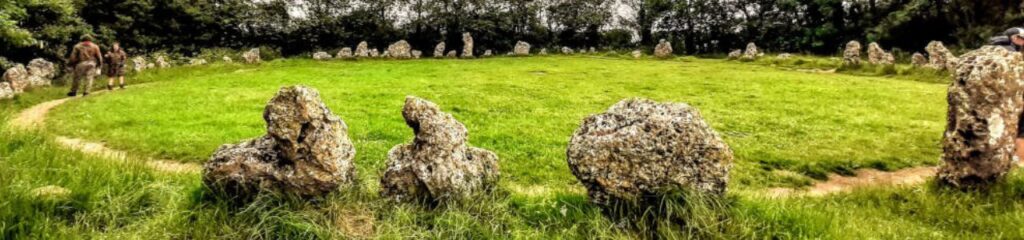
34	118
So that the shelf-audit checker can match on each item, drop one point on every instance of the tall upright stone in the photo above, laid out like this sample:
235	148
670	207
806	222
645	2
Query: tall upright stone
639	148
663	49
438	164
344	53
522	49
306	152
752	52
467	45
139	64
439	50
851	55
362	49
985	105
17	78
400	50
252	56
939	57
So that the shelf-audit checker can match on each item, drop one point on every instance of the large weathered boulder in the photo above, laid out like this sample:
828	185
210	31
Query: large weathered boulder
918	60
467	45
439	50
344	53
985	104
663	49
139	64
752	52
321	56
252	56
41	72
400	50
306	151
522	48
567	50
735	54
851	55
637	54
939	57
17	78
362	49
6	91
438	164
640	147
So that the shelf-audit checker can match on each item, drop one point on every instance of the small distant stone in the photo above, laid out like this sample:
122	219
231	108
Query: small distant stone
663	49
139	64
344	53
488	53
567	50
784	56
522	49
227	59
752	52
439	50
543	51
362	50
637	54
467	45
851	55
453	54
252	56
400	50
939	57
197	62
162	63
416	54
918	60
735	54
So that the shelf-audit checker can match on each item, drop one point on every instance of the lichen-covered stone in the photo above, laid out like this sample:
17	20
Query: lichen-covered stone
374	53
439	50
877	55
6	92
918	60
252	56
306	151
438	164
522	49
663	49
321	56
640	147
752	52
40	73
985	104
851	55
362	49
939	57
400	50
467	45
17	78
344	53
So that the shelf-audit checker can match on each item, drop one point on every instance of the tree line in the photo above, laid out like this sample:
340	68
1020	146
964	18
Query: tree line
47	28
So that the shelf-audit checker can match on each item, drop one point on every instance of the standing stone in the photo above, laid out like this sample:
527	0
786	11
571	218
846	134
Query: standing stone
385	54
752	52
939	57
162	63
306	151
522	48
467	47
851	55
663	49
567	50
488	53
985	104
6	91
17	78
416	54
639	147
877	55
139	63
438	164
637	54
918	60
439	50
227	59
374	53
735	54
543	51
197	62
400	50
593	50
320	56
361	50
41	72
453	54
252	56
344	53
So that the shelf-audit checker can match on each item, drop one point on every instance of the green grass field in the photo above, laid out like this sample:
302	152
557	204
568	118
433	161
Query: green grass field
778	122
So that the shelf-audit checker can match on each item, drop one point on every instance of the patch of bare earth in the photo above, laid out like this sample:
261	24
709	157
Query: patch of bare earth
864	178
35	117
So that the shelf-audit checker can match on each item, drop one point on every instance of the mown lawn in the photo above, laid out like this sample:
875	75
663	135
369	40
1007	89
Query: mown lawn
522	108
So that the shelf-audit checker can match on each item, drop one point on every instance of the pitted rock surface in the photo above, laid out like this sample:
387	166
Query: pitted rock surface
41	72
439	50
362	49
252	56
438	164
522	48
985	104
639	147
663	49
467	45
752	52
939	57
321	56
400	50
306	151
918	60
851	55
344	53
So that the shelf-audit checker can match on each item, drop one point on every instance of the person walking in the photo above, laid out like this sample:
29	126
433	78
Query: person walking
1013	40
116	59
85	57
